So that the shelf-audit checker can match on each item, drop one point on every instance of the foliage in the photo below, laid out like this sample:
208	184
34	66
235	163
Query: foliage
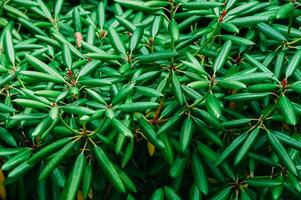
161	99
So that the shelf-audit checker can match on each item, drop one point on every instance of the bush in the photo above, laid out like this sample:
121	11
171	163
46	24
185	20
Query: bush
141	100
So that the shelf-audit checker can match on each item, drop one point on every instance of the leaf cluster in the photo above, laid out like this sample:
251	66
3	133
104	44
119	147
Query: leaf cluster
132	99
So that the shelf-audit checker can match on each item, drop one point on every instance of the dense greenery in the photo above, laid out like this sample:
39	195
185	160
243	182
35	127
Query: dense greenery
178	99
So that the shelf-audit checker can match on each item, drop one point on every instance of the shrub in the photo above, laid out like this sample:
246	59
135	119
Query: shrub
162	99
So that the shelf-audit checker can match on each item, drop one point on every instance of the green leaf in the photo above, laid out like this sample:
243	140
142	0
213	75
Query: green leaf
255	63
121	128
18	172
173	29
178	167
94	82
249	20
243	7
286	108
201	5
147	91
76	20
285	11
16	159
293	64
237	40
108	169
229	84
149	133
263	182
6	109
270	32
75	177
289	140
8	43
50	149
165	55
137	106
123	93
101	14
177	89
246	146
213	105
222	56
43	77
80	110
186	134
158	194
44	9
222	195
199	174
230	148
39	65
116	42
136	5
281	152
67	57
246	96
42	127
58	7
136	37
87	179
7	137
56	160
171	194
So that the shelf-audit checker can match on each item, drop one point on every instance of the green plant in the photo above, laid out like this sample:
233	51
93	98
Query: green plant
161	99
